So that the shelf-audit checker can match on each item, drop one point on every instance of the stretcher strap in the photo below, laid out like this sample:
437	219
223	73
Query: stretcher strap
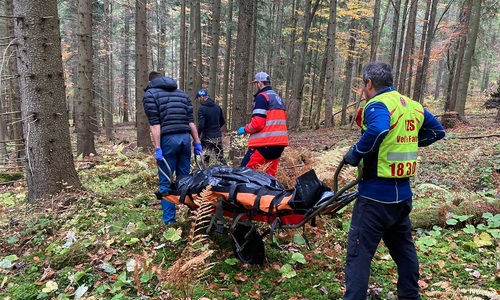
256	204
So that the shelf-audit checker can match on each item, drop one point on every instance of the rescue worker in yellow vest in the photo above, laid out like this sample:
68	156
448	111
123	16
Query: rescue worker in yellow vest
267	129
393	127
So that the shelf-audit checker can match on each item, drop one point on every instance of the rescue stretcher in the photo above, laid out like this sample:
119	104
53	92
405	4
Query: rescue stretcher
242	196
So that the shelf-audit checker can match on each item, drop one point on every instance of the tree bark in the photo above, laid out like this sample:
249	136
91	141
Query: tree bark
214	50
394	32
465	16
276	70
243	44
421	80
182	47
49	166
85	121
126	64
408	49
349	66
227	64
108	76
468	56
375	28
397	68
294	106
141	76
330	65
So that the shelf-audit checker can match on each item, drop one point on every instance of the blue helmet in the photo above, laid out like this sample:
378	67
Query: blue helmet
202	93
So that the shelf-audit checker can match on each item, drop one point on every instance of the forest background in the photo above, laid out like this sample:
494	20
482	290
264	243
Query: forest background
73	73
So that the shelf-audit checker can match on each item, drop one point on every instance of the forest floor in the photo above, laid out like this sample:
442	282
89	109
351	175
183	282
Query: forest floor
108	241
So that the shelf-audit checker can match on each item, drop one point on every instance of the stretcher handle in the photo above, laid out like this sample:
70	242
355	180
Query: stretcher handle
198	160
349	184
169	170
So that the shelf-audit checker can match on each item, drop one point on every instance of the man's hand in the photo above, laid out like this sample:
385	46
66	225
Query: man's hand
241	130
350	158
158	154
197	149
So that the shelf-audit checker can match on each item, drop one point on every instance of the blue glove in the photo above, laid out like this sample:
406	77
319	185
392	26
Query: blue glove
197	149
158	154
241	130
350	158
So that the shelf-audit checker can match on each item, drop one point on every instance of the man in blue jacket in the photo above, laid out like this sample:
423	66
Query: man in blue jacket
210	121
393	127
170	114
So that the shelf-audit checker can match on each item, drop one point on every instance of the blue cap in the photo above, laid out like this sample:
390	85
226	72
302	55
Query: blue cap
202	93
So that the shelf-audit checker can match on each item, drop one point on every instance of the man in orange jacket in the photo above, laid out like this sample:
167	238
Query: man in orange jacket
267	129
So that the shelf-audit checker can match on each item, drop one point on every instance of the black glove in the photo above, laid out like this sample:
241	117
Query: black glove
350	158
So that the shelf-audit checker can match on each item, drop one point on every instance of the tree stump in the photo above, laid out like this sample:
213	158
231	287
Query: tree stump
449	119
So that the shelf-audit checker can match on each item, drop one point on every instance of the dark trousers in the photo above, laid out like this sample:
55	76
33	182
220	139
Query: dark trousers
371	222
213	145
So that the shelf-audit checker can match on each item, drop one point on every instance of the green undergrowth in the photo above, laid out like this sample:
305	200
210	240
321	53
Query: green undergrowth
109	242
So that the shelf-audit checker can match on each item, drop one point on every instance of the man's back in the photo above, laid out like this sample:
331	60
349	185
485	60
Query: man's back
210	120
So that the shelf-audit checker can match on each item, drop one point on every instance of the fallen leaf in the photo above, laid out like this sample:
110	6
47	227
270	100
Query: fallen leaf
441	264
422	284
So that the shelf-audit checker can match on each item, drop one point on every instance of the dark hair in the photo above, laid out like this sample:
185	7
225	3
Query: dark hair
380	73
155	74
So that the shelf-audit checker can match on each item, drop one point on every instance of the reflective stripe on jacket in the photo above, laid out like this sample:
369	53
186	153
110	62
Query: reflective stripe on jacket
274	132
397	154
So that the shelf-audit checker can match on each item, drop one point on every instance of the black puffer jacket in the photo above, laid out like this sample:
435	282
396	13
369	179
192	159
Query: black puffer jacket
168	106
210	120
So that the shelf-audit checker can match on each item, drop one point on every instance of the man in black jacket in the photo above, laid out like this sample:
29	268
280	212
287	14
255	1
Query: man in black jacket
210	121
170	115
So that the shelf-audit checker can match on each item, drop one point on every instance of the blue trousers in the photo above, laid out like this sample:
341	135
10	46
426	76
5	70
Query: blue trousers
176	150
371	222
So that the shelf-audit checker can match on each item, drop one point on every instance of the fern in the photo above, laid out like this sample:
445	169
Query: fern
193	261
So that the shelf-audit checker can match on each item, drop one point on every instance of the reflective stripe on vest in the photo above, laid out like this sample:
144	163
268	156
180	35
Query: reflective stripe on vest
397	154
275	131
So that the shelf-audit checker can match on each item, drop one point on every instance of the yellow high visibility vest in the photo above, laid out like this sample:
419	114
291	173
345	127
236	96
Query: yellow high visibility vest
397	155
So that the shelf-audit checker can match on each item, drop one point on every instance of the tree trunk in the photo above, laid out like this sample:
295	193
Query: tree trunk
182	47
243	43
276	70
126	65
227	64
330	64
108	76
294	106
162	35
85	121
439	76
375	28
14	93
427	38
397	68
50	167
214	50
141	75
242	56
465	16
348	71
191	90
468	56
394	32
290	68
408	49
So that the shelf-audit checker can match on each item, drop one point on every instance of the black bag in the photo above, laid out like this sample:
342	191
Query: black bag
308	190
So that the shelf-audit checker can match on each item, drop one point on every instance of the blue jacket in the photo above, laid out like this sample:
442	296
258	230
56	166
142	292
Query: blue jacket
377	117
210	120
168	106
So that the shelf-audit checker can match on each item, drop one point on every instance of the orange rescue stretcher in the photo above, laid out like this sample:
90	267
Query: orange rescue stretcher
242	196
